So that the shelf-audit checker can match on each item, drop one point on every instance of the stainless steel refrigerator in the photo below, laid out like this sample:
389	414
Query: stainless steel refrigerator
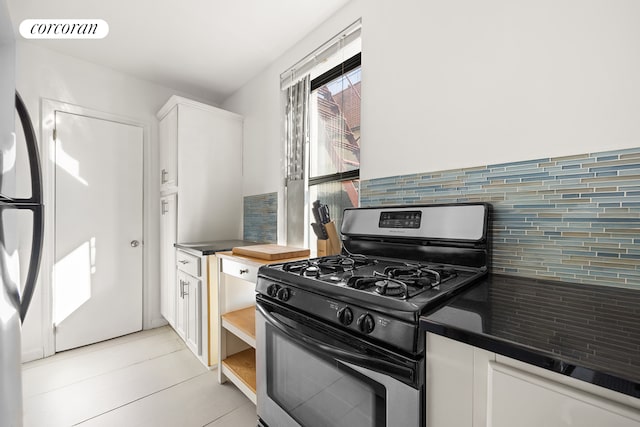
21	224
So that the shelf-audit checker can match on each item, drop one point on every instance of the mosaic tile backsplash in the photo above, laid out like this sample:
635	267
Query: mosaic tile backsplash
261	218
574	218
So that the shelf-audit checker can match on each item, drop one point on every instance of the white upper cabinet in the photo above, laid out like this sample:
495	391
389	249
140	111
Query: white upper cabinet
169	150
201	160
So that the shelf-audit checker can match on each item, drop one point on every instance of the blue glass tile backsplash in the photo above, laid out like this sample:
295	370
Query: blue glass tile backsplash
573	218
261	218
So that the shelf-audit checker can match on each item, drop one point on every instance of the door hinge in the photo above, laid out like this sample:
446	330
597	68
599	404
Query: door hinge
55	134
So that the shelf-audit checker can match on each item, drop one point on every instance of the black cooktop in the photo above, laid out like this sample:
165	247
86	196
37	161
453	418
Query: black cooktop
402	288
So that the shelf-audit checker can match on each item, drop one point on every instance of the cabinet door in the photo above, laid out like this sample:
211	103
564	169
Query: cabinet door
168	291
210	173
523	399
194	315
468	386
182	304
449	383
169	150
189	311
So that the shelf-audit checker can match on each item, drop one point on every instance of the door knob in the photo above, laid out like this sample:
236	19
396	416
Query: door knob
135	243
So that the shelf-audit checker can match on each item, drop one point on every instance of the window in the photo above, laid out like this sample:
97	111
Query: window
321	133
334	145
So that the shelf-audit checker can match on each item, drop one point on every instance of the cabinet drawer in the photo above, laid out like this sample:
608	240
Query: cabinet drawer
240	270
188	263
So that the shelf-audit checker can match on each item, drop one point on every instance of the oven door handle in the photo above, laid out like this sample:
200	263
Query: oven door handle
346	356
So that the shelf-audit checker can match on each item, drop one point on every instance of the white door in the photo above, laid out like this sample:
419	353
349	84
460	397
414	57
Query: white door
97	284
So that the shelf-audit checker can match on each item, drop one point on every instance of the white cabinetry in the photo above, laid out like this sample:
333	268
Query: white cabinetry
468	386
200	178
190	302
168	212
169	150
201	160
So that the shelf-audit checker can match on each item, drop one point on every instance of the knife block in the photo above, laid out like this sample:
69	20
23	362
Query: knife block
332	245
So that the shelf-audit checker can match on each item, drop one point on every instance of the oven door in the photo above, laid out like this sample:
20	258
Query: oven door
308	375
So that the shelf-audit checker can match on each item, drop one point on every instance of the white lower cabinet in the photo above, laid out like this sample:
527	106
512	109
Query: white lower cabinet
191	321
190	311
468	386
535	401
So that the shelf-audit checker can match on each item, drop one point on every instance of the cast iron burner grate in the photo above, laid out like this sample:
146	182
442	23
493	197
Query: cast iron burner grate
328	265
402	281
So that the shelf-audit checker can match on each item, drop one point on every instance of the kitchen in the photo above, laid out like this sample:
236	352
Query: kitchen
502	88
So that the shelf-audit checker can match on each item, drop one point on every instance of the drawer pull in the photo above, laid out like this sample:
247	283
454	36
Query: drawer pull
183	291
183	261
244	270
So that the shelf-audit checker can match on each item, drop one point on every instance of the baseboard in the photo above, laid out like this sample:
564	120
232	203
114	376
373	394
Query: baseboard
156	323
31	355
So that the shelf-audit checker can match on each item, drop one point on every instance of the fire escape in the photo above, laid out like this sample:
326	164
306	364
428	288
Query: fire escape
343	144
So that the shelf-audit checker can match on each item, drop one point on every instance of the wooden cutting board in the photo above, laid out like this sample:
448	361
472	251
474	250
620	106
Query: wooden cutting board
271	252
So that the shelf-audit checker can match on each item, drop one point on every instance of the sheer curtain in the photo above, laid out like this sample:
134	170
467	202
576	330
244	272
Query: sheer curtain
296	136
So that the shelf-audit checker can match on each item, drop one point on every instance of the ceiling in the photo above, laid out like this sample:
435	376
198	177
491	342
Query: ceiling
208	48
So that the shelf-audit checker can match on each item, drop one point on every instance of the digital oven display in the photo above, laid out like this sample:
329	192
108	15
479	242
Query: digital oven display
400	219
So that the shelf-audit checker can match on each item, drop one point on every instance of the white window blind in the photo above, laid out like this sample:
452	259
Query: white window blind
343	45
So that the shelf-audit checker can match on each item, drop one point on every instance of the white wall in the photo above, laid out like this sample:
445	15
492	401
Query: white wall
43	73
449	84
496	81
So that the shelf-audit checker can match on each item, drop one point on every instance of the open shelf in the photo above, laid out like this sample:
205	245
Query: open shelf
237	277
242	323
240	369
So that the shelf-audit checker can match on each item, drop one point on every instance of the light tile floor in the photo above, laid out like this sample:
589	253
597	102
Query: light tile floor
145	379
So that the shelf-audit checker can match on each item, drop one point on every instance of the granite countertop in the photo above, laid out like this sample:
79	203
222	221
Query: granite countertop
210	248
587	332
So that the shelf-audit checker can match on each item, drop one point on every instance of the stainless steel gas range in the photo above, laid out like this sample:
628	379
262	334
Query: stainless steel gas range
338	342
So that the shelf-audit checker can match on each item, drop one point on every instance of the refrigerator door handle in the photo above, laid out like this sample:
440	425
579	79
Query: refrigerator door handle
34	203
34	259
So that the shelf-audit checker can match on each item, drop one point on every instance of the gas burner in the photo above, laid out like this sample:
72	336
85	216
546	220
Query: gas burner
401	281
392	288
361	282
303	268
346	262
420	275
381	285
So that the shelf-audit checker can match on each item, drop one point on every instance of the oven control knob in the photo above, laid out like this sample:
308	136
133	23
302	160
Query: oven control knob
366	323
345	316
272	290
283	294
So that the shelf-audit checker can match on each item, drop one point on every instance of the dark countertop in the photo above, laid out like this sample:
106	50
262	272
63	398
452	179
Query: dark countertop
210	248
588	332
